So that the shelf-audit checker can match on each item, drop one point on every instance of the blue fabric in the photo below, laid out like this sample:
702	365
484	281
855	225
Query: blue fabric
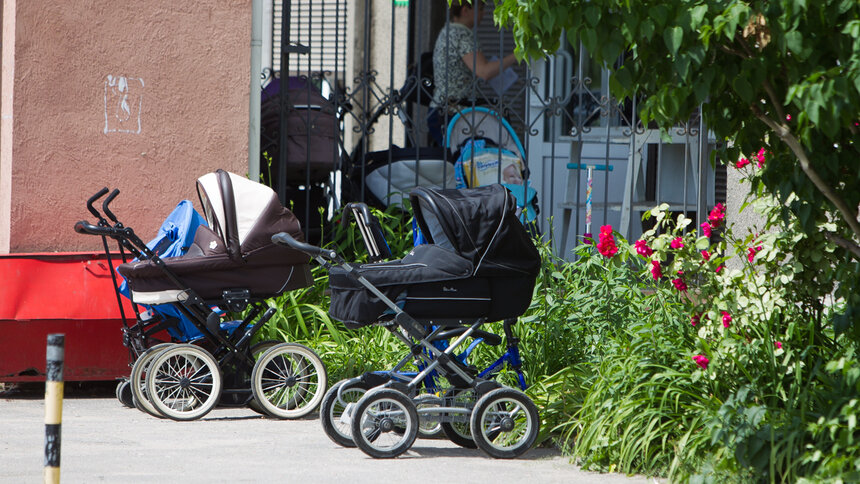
174	239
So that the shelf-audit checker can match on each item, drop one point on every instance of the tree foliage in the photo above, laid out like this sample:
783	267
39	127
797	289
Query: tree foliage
783	75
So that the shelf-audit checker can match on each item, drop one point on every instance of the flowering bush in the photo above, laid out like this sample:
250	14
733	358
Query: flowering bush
606	243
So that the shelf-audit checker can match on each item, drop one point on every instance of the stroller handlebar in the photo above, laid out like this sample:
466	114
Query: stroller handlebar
285	239
92	200
84	227
107	201
361	208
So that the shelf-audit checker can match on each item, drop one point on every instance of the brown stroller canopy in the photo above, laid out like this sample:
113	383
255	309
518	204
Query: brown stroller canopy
234	252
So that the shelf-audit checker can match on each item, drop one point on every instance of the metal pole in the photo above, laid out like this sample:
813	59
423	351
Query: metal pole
53	405
254	98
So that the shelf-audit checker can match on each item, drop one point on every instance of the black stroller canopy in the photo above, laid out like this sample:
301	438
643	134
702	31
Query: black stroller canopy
480	224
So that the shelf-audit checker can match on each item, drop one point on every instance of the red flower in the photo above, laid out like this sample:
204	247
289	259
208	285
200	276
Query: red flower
727	319
642	248
778	345
788	117
751	252
717	215
588	238
742	163
706	229
706	255
760	157
606	243
702	361
677	243
656	272
679	283
694	319
719	268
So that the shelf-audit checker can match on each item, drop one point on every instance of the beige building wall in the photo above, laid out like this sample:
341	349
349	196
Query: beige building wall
140	96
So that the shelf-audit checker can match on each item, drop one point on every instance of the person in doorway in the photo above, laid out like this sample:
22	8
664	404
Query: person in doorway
457	60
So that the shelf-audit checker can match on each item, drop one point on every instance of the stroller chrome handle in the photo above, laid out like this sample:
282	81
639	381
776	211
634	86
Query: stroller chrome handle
287	240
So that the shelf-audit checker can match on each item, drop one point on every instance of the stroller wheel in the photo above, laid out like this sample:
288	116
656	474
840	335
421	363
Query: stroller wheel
458	430
288	380
333	408
123	393
505	423
184	382
429	426
138	379
256	352
384	423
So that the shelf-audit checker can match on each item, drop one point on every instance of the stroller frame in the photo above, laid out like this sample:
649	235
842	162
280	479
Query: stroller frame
195	389
388	405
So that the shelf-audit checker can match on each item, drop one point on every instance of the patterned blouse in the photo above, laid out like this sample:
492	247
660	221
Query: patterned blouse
454	41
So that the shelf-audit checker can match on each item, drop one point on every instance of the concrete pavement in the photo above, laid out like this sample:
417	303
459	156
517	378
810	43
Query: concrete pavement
102	441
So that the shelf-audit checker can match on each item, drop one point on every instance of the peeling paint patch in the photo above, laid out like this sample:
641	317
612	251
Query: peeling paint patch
123	104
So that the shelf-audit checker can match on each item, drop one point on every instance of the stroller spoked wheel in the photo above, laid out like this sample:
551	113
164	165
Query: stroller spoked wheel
332	409
257	351
384	423
184	382
288	381
505	423
140	399
458	430
123	393
429	425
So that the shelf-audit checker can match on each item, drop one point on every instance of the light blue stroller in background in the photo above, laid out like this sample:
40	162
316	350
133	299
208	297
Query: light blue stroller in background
487	150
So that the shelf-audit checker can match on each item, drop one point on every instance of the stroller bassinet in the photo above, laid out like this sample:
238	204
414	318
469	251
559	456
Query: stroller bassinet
234	251
480	262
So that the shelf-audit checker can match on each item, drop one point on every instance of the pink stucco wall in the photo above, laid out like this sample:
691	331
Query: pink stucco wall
74	128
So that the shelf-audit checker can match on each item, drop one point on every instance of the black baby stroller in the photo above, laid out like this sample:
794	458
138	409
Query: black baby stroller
479	266
232	264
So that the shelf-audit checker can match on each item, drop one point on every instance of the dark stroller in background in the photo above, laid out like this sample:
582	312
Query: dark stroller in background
231	264
479	266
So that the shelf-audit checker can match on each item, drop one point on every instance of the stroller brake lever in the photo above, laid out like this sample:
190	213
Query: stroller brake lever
285	239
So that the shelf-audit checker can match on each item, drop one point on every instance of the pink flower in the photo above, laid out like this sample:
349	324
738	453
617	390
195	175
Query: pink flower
778	345
706	255
752	251
706	229
642	248
742	163
677	243
760	157
727	319
656	272
588	238
694	319
606	243
679	282
717	215
719	268
788	117
702	361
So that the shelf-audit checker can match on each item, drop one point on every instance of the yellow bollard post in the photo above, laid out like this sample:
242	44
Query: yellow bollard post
53	405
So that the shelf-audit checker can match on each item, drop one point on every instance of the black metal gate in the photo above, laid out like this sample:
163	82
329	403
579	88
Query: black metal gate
354	107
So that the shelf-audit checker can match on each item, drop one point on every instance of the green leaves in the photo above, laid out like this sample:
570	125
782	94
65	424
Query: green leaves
673	37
